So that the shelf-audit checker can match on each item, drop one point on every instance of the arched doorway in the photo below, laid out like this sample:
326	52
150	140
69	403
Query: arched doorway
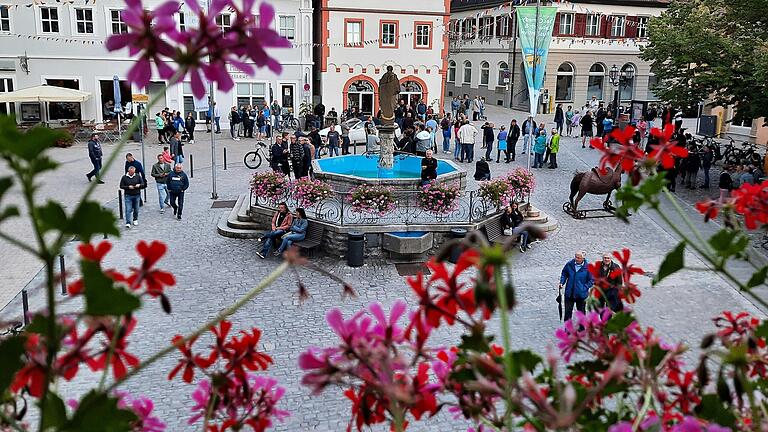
360	94
411	92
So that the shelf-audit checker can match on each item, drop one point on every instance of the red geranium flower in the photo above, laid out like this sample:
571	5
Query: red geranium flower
155	280
708	208
188	362
751	201
120	357
94	253
244	354
666	150
32	375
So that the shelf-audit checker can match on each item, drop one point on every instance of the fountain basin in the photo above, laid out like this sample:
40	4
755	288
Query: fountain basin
344	173
413	242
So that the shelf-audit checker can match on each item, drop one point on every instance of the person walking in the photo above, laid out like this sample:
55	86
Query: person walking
131	161
514	135
586	128
502	146
610	282
178	182
467	134
160	172
554	148
488	137
132	184
576	279
334	138
539	148
297	231
281	223
189	125
160	127
95	155
234	120
177	148
568	121
559	118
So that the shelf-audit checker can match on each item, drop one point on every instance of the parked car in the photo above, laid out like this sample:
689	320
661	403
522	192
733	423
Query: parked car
357	134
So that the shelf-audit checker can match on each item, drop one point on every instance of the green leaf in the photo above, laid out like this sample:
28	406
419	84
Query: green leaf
55	411
9	212
102	297
633	197
672	263
5	184
618	322
728	242
524	360
51	216
476	341
762	330
90	219
712	409
11	352
758	277
98	412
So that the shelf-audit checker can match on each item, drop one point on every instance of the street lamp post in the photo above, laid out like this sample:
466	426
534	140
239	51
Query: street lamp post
618	80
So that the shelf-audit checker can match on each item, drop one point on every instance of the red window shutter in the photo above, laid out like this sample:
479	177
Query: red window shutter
580	25
630	29
556	30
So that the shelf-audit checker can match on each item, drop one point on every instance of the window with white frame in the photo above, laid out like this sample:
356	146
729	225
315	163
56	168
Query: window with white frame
6	85
251	93
354	32
452	71
617	26
223	22
486	27
182	22
423	35
388	34
566	24
287	27
503	77
653	83
593	25
83	21
5	18
467	78
642	27
49	19
564	84
189	103
116	21
468	28
595	81
503	26
485	73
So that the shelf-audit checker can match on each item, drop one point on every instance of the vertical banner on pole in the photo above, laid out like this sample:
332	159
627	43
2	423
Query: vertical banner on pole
534	44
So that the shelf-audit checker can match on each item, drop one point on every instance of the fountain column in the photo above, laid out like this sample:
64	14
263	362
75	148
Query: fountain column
387	146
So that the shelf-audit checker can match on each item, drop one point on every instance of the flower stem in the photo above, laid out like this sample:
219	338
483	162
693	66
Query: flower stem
686	220
643	410
111	352
506	339
267	281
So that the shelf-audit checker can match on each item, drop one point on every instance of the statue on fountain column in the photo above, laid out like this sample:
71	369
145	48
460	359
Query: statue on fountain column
389	89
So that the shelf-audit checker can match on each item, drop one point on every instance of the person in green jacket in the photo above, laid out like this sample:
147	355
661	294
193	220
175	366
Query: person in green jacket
539	147
160	125
554	147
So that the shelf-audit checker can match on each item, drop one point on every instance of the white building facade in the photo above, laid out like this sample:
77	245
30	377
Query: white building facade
358	40
590	36
63	44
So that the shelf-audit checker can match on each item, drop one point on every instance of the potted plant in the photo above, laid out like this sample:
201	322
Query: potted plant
308	192
270	186
374	200
438	198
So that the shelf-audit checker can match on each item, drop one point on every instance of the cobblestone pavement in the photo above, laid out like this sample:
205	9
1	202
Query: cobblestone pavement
213	271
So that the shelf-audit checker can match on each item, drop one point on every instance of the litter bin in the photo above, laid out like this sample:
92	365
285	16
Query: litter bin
457	233
355	248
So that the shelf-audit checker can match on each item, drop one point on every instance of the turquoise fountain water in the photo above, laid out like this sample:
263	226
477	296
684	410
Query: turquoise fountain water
366	166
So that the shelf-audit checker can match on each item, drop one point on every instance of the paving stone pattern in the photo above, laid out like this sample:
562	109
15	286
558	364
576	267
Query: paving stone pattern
213	271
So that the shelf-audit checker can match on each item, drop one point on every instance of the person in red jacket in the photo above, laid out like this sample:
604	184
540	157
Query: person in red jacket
281	222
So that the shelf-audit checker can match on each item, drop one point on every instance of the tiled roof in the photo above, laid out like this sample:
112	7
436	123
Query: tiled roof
462	5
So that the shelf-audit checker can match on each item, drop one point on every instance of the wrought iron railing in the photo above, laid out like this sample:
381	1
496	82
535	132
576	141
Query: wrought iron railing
470	208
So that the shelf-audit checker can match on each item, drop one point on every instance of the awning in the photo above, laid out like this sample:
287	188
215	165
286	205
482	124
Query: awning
45	93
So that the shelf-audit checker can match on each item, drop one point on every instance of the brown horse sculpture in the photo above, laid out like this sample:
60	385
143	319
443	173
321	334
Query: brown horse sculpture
594	183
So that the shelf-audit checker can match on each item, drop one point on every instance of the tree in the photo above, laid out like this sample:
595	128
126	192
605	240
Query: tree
714	50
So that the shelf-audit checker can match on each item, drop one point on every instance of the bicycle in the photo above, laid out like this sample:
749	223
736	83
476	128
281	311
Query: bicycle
253	159
289	121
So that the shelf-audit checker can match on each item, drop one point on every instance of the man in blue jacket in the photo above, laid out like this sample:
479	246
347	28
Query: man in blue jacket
95	154
577	281
178	182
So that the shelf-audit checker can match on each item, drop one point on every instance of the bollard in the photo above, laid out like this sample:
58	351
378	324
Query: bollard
120	201
191	167
25	305
225	158
63	272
